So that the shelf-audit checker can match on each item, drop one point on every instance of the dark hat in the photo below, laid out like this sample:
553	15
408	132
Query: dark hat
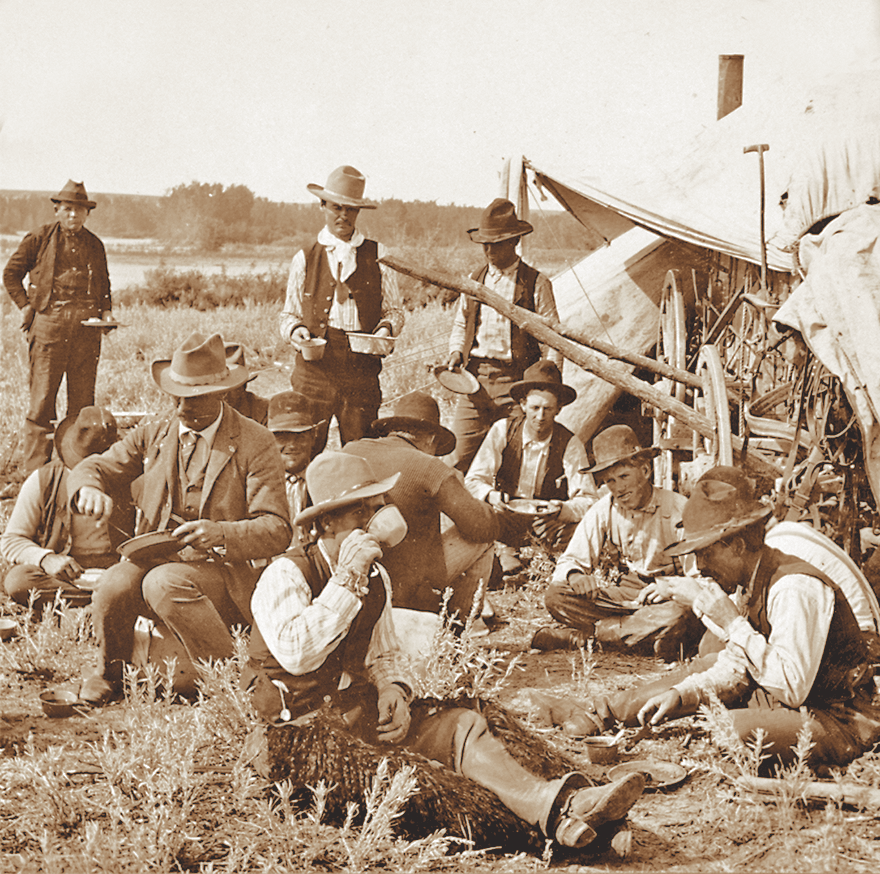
722	503
287	413
543	375
337	479
91	431
345	186
616	444
198	367
417	411
499	222
74	192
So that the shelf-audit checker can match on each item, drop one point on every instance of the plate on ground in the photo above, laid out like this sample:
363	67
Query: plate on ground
659	775
462	382
154	546
531	507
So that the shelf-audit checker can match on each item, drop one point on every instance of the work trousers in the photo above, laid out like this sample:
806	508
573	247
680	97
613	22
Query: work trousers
58	345
22	579
475	414
344	384
193	599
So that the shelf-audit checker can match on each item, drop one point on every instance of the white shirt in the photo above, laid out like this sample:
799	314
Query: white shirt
205	440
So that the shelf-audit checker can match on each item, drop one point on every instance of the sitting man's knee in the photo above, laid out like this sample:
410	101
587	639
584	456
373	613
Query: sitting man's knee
167	585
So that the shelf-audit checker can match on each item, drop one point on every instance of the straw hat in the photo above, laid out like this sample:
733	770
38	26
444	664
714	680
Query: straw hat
198	367
91	431
417	411
499	222
74	192
345	186
722	503
337	479
616	444
543	375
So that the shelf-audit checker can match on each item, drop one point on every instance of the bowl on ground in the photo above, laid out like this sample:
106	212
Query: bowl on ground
58	703
602	750
8	627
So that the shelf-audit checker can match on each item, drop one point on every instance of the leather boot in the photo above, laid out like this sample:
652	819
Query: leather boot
550	638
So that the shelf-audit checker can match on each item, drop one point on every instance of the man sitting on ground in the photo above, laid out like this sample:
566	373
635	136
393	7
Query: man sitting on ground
615	552
50	546
791	642
239	398
533	456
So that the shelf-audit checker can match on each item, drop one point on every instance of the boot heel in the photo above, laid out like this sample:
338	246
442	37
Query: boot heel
572	832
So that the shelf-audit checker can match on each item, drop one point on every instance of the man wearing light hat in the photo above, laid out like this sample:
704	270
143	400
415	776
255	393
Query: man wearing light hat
324	639
211	477
49	546
616	550
435	554
68	283
483	341
790	643
335	289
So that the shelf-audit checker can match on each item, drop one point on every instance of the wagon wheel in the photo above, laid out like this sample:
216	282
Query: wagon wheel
713	402
671	349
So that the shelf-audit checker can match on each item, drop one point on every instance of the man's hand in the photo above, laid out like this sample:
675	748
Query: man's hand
658	708
358	551
300	335
61	566
455	360
90	501
394	716
200	534
656	591
27	317
581	584
715	605
495	499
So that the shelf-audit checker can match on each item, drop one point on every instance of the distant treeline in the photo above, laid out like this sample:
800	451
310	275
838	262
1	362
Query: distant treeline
208	215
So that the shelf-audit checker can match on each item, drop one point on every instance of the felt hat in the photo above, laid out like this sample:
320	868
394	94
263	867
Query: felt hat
722	503
74	192
337	479
417	411
616	444
286	413
543	375
198	367
345	186
89	432
235	355
499	222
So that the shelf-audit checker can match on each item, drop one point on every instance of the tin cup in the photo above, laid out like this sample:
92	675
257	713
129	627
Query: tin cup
313	348
387	525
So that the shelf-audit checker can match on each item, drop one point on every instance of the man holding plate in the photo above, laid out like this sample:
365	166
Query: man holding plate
212	476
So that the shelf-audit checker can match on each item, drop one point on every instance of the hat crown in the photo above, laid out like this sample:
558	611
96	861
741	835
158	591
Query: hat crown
333	475
498	223
73	192
723	497
543	371
287	413
93	431
418	405
616	443
199	361
346	182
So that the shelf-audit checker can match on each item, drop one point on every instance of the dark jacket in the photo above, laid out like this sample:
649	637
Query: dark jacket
35	257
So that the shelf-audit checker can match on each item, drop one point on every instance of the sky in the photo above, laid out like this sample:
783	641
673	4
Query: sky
425	97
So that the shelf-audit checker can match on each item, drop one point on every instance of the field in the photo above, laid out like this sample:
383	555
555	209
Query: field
154	784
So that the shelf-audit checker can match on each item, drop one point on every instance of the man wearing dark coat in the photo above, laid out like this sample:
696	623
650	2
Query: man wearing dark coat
68	284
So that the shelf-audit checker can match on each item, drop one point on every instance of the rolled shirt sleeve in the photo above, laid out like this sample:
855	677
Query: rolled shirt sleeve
582	492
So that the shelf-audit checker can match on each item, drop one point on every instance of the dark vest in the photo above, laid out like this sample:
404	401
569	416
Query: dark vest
553	485
524	348
306	692
845	665
365	285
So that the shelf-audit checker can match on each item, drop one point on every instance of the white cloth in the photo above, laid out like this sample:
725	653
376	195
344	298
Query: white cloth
480	479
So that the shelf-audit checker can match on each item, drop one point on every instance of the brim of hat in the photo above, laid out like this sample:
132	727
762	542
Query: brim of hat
285	425
446	439
648	452
238	375
370	491
714	534
67	454
341	199
501	236
89	204
565	393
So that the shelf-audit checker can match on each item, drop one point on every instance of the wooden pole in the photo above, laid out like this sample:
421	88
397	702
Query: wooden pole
841	793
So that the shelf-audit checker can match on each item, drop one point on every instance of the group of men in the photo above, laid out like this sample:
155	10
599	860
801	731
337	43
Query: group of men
274	532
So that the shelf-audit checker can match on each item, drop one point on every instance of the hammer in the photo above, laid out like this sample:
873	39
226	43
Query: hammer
760	148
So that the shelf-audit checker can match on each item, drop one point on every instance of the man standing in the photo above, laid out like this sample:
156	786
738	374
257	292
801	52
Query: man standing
432	556
792	643
68	283
483	341
324	635
216	477
616	550
533	456
337	288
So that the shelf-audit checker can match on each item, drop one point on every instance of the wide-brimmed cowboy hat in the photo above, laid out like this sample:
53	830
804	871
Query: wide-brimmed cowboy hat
345	186
74	192
417	411
543	375
616	444
198	367
286	413
498	223
235	355
722	503
91	431
337	479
